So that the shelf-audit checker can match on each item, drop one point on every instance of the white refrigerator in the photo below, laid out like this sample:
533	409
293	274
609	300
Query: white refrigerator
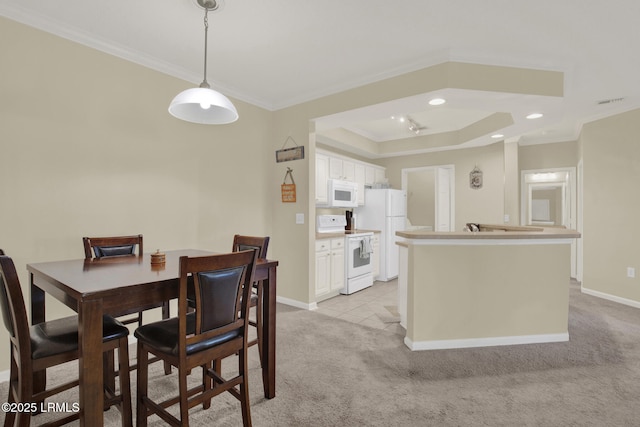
385	210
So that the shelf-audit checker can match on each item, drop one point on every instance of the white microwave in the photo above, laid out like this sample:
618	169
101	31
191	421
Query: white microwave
342	194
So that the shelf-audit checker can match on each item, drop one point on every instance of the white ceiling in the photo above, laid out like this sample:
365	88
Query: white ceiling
278	53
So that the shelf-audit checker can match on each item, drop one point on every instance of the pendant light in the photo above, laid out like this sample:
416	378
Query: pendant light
203	104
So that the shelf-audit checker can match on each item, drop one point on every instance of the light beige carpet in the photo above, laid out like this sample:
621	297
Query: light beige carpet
335	373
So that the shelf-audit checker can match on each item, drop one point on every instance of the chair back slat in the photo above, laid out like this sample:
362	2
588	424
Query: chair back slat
103	247
243	243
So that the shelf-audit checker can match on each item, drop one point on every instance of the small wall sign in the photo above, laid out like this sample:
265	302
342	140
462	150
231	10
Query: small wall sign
288	190
475	178
287	154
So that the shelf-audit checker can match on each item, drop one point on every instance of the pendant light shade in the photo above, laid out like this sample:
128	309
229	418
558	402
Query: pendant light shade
203	104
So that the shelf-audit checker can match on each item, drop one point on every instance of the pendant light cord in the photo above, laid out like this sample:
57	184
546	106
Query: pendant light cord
206	30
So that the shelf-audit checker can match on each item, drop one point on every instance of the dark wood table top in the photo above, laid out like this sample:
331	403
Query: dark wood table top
85	279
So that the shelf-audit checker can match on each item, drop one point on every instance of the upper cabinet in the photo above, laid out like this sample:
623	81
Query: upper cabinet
322	175
341	169
333	166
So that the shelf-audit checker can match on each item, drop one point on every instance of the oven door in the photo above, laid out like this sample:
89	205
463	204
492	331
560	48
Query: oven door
359	256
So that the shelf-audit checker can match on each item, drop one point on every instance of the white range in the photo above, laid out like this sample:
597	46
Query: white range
358	253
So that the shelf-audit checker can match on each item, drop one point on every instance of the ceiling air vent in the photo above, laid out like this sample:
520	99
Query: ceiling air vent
610	101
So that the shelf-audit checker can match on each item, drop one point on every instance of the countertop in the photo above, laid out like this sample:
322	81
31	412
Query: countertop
343	233
493	231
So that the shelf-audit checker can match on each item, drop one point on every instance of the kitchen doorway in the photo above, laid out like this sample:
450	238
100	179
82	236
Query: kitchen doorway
430	197
549	199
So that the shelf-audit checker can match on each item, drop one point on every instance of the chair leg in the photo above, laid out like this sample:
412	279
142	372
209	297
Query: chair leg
184	404
142	387
165	315
10	416
207	382
244	388
108	369
125	383
259	321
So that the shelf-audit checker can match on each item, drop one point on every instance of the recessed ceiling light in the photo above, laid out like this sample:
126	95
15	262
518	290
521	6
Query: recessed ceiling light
497	135
534	116
437	101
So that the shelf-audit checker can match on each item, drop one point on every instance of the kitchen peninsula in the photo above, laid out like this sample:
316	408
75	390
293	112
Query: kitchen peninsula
502	285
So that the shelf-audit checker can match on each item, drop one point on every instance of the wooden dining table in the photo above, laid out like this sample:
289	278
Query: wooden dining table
93	287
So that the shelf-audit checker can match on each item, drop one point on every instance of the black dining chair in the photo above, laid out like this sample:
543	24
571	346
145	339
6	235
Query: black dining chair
215	328
38	347
123	246
117	246
260	244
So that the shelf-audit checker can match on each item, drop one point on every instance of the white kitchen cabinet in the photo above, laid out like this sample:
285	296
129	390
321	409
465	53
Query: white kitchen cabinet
322	175
341	169
337	264
330	259
375	261
369	175
373	175
335	166
360	180
348	170
323	267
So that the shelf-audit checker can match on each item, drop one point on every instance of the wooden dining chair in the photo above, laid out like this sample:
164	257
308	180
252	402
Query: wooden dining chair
123	246
216	329
120	246
38	347
260	244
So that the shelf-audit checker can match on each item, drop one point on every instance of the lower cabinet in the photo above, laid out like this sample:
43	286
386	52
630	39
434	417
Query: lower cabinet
330	274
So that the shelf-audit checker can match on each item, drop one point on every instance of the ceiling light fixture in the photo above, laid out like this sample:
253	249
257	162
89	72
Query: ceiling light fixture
203	104
534	116
414	126
497	136
437	101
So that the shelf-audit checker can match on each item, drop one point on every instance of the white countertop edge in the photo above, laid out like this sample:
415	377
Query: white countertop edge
484	242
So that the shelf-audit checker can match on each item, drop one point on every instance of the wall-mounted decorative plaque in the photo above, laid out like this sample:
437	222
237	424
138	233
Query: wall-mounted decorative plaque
475	178
288	190
287	154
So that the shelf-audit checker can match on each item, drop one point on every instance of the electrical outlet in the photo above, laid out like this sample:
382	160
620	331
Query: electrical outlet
299	218
631	272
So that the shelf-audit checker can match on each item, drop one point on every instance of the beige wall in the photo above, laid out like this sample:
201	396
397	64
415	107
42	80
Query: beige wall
421	197
485	205
88	148
548	156
611	156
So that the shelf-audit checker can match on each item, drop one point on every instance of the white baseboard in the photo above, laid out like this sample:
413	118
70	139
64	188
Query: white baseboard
620	300
485	342
297	304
